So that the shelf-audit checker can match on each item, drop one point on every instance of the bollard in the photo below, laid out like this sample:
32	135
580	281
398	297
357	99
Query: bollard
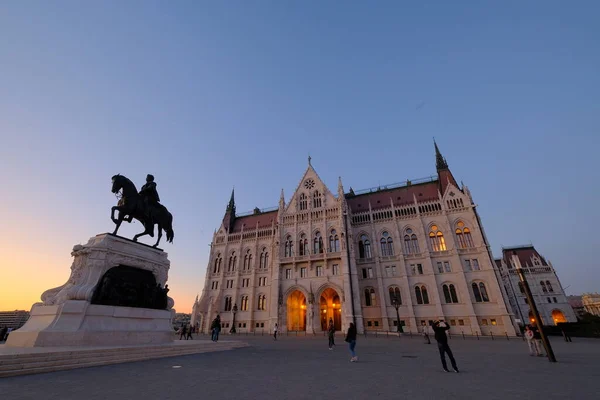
507	338
375	333
477	333
492	334
449	335
411	334
463	334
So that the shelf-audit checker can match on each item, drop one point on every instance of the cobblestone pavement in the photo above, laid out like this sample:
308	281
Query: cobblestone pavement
303	368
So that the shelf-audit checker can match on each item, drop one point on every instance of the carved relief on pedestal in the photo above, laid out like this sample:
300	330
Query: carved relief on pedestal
99	255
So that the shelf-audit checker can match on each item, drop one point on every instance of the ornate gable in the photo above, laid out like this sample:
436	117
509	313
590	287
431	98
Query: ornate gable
311	191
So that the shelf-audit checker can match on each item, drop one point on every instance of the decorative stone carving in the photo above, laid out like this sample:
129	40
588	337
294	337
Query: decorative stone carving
139	315
101	253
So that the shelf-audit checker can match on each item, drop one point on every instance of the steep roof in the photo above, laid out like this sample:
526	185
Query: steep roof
249	222
525	253
401	196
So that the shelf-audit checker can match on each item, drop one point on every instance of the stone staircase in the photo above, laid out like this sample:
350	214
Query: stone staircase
15	362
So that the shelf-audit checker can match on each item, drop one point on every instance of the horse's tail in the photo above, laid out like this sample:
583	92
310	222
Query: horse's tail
169	228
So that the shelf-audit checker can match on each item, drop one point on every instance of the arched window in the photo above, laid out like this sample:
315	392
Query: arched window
411	244
289	247
549	285
395	295
387	245
334	241
228	303
244	303
232	261
303	202
247	260
264	258
262	302
217	267
436	238
421	294
480	292
450	294
521	287
543	284
370	297
407	246
303	245
483	290
316	199
318	243
463	234
558	316
364	247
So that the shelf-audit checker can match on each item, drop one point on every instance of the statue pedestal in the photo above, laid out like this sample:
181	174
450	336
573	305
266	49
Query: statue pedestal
95	308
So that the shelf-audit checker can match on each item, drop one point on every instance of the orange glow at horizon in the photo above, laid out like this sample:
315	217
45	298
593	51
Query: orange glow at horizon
28	271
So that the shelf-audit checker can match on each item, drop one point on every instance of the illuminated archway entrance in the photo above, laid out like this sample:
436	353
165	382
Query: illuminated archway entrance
296	311
330	308
558	316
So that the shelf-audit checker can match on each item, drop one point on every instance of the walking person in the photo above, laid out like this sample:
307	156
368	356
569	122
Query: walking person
426	333
331	334
537	340
351	339
530	341
275	331
189	333
215	328
439	329
182	332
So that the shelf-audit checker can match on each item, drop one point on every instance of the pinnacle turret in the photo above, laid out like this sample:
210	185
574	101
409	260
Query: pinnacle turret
440	161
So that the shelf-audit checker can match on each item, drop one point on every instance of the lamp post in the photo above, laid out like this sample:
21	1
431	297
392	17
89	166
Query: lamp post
396	304
534	310
233	311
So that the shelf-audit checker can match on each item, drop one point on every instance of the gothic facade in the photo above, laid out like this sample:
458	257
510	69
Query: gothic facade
408	253
551	301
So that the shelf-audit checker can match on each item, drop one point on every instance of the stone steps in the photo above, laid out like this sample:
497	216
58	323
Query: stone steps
33	363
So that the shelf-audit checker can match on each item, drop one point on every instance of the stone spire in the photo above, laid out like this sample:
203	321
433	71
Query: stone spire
281	200
440	161
340	188
229	218
445	176
231	205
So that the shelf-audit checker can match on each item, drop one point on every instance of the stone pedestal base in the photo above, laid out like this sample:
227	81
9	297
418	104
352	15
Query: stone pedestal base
79	323
67	316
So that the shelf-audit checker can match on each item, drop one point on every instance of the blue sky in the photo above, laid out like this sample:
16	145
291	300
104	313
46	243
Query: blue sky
208	95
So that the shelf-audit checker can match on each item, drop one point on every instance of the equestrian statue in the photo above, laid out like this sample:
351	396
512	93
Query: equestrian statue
143	206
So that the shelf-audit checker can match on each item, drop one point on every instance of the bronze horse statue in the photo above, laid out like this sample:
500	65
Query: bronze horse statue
132	205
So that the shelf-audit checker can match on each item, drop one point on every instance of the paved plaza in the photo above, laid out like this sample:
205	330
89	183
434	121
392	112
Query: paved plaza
303	368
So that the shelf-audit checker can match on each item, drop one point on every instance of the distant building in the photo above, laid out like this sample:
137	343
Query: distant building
13	319
576	303
548	294
591	303
181	319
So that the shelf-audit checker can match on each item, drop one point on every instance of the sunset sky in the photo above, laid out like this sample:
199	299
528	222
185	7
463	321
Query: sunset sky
211	95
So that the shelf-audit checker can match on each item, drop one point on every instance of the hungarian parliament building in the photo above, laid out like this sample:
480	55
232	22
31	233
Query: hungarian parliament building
405	254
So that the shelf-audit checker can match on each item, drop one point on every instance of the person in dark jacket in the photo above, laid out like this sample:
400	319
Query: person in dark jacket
215	328
440	328
351	339
183	332
331	334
